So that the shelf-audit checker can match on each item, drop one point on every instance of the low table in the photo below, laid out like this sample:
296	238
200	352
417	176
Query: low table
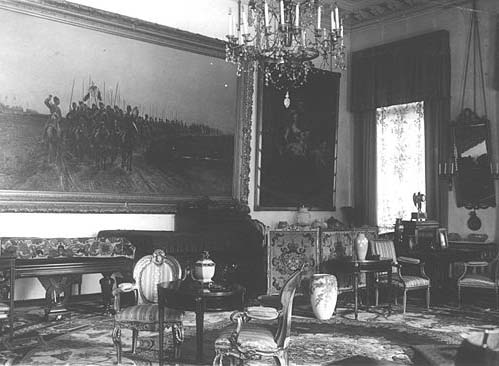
189	295
356	267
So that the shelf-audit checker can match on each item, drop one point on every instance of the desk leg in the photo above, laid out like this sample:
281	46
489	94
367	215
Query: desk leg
106	284
161	315
356	294
200	307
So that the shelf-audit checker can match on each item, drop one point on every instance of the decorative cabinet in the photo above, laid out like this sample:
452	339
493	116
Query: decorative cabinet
287	250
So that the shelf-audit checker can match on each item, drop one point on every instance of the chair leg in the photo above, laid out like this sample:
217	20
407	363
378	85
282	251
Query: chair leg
458	296
117	342
135	335
282	359
428	298
376	296
497	298
178	339
405	301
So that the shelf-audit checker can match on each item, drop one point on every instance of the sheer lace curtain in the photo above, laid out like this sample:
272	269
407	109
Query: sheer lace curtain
400	151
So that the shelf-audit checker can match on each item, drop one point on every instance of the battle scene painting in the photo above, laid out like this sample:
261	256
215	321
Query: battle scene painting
91	112
298	143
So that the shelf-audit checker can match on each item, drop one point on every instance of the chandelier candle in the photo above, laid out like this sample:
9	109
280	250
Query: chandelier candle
282	37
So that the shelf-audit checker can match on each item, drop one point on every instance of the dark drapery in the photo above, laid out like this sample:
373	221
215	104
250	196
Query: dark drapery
410	70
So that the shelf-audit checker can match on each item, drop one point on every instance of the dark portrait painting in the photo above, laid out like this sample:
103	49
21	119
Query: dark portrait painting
298	144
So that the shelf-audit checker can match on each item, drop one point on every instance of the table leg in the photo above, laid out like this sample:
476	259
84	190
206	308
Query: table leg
161	315
200	308
106	284
356	293
390	299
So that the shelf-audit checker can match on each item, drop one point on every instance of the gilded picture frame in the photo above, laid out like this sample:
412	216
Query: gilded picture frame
163	74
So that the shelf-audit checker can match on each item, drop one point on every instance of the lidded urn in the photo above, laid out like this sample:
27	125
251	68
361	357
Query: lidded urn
204	268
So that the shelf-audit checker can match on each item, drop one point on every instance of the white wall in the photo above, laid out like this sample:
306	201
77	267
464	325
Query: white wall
52	225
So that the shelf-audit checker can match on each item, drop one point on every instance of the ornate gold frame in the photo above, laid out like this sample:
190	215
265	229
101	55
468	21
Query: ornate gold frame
102	21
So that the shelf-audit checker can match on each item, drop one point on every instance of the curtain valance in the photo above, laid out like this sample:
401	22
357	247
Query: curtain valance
416	68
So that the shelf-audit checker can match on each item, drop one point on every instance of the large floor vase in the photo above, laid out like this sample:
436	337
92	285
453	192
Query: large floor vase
323	295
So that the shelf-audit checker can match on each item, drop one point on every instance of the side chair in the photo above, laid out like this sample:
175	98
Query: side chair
482	275
7	282
251	341
408	274
148	272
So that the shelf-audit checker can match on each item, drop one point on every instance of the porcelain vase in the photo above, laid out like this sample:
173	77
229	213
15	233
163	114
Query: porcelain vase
303	216
323	295
361	246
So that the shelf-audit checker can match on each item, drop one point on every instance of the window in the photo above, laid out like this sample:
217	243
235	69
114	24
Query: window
400	149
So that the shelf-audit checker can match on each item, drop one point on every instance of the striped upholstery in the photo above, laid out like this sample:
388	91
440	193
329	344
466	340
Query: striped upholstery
478	281
4	307
251	337
486	278
147	273
151	270
146	313
386	249
414	281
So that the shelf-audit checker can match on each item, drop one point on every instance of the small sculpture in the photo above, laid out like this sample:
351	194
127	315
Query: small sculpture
418	199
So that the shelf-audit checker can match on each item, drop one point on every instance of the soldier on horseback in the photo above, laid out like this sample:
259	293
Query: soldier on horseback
54	117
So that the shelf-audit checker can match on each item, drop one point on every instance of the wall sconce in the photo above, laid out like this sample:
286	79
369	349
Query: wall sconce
494	170
446	170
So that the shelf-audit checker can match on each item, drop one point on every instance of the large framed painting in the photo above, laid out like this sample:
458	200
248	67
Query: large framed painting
105	113
297	144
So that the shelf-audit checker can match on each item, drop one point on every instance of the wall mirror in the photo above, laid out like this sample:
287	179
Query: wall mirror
473	181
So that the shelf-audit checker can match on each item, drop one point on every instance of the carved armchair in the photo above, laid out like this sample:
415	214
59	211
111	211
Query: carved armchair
249	341
148	272
404	277
7	281
482	275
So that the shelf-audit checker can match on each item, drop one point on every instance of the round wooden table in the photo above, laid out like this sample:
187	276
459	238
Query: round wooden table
190	295
356	267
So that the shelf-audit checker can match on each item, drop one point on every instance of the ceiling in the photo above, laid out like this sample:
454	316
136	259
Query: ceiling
364	12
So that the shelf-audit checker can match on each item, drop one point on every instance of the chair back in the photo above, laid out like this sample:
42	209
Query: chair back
385	249
287	296
151	270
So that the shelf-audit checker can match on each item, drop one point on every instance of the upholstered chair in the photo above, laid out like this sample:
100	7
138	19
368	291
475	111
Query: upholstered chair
481	275
408	274
148	272
7	282
249	340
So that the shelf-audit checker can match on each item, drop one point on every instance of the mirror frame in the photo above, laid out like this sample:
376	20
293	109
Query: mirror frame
123	26
468	118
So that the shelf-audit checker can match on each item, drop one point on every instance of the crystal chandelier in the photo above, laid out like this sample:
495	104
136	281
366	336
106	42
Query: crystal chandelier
283	36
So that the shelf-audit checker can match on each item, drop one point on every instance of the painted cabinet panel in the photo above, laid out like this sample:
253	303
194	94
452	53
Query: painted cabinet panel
287	251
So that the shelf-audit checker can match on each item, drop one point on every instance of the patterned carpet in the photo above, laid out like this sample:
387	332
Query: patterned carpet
376	338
